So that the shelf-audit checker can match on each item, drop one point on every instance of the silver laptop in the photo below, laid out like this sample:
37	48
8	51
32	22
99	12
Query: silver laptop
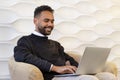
92	61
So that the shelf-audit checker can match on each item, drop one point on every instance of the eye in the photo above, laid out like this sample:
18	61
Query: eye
52	21
46	20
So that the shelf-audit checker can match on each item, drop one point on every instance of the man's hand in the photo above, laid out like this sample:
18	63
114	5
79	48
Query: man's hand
64	69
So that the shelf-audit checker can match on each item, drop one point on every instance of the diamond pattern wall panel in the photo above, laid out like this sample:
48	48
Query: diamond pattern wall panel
67	12
8	33
67	28
102	16
80	22
23	25
4	72
87	35
86	21
103	29
6	50
23	9
6	3
85	7
69	42
7	16
102	4
115	23
104	42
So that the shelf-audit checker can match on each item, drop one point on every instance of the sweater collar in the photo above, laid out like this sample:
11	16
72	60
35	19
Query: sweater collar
39	34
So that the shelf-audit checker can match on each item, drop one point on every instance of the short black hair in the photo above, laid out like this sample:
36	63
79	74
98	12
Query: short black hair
41	8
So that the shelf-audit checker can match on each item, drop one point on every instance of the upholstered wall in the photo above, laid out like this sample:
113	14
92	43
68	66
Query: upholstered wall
78	23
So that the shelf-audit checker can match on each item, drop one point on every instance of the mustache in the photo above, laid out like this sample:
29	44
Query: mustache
48	27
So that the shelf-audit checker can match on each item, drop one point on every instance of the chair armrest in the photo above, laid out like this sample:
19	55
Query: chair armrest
24	71
111	67
76	56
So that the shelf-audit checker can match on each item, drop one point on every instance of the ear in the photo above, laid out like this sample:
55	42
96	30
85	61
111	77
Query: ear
35	21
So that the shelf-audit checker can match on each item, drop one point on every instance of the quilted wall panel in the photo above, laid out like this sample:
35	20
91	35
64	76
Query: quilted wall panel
80	22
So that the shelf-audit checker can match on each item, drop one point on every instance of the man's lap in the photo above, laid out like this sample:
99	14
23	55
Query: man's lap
82	77
99	76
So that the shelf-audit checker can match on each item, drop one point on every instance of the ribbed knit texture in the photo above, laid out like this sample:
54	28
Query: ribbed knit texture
41	52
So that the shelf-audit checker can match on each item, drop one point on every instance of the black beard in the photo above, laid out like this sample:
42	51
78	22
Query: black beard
42	30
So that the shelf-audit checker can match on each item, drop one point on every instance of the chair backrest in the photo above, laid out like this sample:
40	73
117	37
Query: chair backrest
76	56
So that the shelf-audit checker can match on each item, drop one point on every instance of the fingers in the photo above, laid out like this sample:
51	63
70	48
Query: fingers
67	63
64	69
70	69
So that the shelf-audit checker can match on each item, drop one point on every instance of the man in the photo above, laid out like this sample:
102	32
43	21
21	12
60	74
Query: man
46	54
37	49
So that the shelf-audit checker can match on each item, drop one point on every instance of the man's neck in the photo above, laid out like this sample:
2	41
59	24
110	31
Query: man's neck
38	34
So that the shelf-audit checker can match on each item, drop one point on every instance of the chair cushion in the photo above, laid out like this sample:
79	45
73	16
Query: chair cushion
106	76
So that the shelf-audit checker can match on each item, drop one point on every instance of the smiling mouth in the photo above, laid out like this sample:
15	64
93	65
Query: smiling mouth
48	29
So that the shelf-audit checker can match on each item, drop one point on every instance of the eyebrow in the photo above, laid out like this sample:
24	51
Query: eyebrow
49	19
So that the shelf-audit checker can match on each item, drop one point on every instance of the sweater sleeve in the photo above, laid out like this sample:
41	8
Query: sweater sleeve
67	57
23	53
71	59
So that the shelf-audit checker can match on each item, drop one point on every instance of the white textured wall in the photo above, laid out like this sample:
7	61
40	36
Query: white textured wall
78	23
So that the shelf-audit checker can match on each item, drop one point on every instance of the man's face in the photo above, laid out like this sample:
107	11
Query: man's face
44	23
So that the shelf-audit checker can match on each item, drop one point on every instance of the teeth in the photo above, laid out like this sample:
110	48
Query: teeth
48	29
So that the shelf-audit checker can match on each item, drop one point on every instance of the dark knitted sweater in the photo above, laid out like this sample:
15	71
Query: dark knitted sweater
41	52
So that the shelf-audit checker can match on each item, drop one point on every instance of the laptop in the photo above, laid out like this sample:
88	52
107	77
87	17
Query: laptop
92	61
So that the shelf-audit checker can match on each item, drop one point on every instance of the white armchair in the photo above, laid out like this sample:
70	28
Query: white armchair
24	71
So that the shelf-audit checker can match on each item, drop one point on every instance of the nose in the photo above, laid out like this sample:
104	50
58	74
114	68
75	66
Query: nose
51	24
